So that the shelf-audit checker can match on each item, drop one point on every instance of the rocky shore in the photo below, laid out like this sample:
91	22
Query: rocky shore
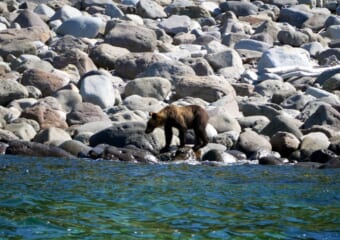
79	77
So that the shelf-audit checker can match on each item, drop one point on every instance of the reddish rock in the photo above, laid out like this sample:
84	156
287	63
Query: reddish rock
45	115
47	82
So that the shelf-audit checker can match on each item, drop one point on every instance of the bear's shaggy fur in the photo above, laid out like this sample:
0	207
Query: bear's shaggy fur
183	118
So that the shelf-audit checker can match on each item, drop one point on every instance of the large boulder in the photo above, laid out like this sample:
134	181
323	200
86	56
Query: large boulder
68	99
312	142
34	33
155	87
17	47
47	112
47	82
52	135
251	142
11	90
26	148
208	88
150	9
171	70
176	24
284	57
227	58
86	112
28	18
105	55
98	89
294	16
283	123
285	143
124	134
76	57
82	26
131	64
134	38
239	8
324	115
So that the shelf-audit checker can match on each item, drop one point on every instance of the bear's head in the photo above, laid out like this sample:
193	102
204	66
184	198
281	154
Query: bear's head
156	120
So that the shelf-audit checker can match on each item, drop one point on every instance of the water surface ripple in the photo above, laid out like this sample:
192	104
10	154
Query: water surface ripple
49	198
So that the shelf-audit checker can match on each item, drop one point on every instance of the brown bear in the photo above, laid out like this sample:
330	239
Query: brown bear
183	118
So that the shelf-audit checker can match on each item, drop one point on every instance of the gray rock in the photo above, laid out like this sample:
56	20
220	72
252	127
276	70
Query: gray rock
150	9
6	135
21	104
333	32
128	115
239	8
17	48
324	115
256	123
208	88
134	38
186	8
82	26
67	42
44	10
22	130
52	135
317	21
329	56
285	143
131	64
252	45
124	134
104	55
282	123
176	24
27	61
297	101
28	18
86	112
224	123
147	104
268	27
155	87
332	83
171	70
68	99
294	16
253	108
75	147
313	142
251	142
36	149
75	57
292	37
314	48
228	58
113	11
11	90
98	89
200	65
66	12
284	57
269	88
84	131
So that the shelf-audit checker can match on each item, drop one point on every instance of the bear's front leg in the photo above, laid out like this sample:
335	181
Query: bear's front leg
168	138
181	137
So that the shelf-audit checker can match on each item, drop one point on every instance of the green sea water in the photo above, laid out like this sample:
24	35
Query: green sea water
50	198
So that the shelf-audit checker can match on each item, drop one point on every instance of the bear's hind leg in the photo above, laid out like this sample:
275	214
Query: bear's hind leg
201	138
